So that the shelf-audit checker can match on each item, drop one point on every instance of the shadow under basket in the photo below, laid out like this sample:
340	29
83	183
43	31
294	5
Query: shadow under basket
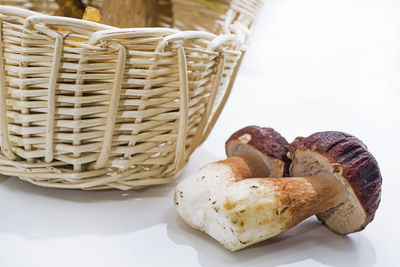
89	106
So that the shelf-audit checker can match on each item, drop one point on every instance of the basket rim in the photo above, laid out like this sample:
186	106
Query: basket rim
104	32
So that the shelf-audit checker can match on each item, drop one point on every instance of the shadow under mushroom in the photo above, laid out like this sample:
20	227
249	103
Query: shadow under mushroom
307	241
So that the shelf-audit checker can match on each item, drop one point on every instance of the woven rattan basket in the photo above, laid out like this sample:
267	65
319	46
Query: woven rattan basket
89	106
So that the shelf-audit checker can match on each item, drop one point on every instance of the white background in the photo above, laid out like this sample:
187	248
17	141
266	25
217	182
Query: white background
312	65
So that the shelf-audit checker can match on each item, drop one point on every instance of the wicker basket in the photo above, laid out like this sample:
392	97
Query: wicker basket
89	106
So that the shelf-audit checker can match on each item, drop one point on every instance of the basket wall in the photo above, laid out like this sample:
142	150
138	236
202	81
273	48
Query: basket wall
88	106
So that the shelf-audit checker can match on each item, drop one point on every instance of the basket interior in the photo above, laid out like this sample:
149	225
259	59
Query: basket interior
180	14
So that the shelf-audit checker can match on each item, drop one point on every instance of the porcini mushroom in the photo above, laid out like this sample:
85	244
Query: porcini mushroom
338	180
262	144
252	152
347	159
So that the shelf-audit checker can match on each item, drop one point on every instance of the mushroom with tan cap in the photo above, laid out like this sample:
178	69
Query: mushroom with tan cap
336	178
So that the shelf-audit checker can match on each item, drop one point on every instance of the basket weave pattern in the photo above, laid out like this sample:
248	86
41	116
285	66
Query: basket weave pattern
89	106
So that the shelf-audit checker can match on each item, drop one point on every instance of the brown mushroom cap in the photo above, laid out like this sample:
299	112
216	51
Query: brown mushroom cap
349	160
262	144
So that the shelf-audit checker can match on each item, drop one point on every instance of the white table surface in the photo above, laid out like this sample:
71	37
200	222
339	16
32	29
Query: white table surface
312	65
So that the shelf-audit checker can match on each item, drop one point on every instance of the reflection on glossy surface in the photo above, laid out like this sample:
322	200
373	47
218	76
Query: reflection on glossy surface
60	212
308	240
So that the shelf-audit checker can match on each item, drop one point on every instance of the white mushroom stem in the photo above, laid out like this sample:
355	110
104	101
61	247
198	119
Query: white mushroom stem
241	213
193	193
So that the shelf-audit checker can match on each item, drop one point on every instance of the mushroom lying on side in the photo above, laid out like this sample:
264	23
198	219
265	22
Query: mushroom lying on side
252	152
339	180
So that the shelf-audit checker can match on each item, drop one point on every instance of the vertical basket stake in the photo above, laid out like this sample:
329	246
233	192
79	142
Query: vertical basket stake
180	152
223	101
5	142
52	98
113	108
210	103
